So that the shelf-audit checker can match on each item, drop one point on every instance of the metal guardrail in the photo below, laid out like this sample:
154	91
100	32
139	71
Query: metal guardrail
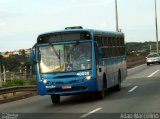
17	89
131	64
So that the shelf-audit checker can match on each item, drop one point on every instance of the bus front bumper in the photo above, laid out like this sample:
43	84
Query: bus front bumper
67	89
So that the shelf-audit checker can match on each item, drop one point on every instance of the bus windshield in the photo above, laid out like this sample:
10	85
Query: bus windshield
65	57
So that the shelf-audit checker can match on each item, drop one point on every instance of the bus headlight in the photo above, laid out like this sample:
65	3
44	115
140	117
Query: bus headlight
44	81
88	78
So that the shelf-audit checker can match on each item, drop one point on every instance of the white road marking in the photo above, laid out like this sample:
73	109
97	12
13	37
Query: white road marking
89	113
133	89
153	73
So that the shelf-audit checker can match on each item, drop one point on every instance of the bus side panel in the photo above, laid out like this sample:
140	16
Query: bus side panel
106	66
99	75
109	71
124	68
110	67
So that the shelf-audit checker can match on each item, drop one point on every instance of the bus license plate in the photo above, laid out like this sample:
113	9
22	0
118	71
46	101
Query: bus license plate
66	87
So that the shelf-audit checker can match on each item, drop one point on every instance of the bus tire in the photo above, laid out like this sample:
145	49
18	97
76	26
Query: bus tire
102	93
118	86
55	99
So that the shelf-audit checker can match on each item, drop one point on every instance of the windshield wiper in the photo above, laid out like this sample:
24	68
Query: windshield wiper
58	54
77	43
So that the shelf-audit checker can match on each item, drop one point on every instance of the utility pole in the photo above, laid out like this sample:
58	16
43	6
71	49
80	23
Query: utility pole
116	11
156	26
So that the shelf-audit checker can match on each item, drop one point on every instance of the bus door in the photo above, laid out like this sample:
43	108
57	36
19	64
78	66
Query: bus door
98	70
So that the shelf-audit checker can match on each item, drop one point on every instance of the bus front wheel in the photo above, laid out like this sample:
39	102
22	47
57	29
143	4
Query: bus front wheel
101	94
55	99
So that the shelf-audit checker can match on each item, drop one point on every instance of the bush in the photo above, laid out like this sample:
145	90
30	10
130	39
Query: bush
7	84
30	82
19	82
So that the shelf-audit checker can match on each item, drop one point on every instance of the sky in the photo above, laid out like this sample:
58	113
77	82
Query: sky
21	21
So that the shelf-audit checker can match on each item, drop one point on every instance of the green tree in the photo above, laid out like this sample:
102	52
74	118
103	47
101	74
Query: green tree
12	64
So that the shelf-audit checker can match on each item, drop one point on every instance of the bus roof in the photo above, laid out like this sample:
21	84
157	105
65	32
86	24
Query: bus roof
96	32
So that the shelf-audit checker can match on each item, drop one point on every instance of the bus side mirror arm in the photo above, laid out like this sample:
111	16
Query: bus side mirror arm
32	55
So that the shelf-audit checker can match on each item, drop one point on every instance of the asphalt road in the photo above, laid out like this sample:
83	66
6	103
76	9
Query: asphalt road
139	97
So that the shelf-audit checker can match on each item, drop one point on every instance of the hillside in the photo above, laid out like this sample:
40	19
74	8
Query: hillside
139	48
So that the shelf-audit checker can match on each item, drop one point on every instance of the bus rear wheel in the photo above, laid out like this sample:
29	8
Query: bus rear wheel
55	99
118	86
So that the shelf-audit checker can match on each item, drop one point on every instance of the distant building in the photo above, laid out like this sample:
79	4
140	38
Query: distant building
19	53
7	54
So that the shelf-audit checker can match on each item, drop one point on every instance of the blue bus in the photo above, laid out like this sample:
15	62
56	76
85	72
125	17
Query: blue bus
77	60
